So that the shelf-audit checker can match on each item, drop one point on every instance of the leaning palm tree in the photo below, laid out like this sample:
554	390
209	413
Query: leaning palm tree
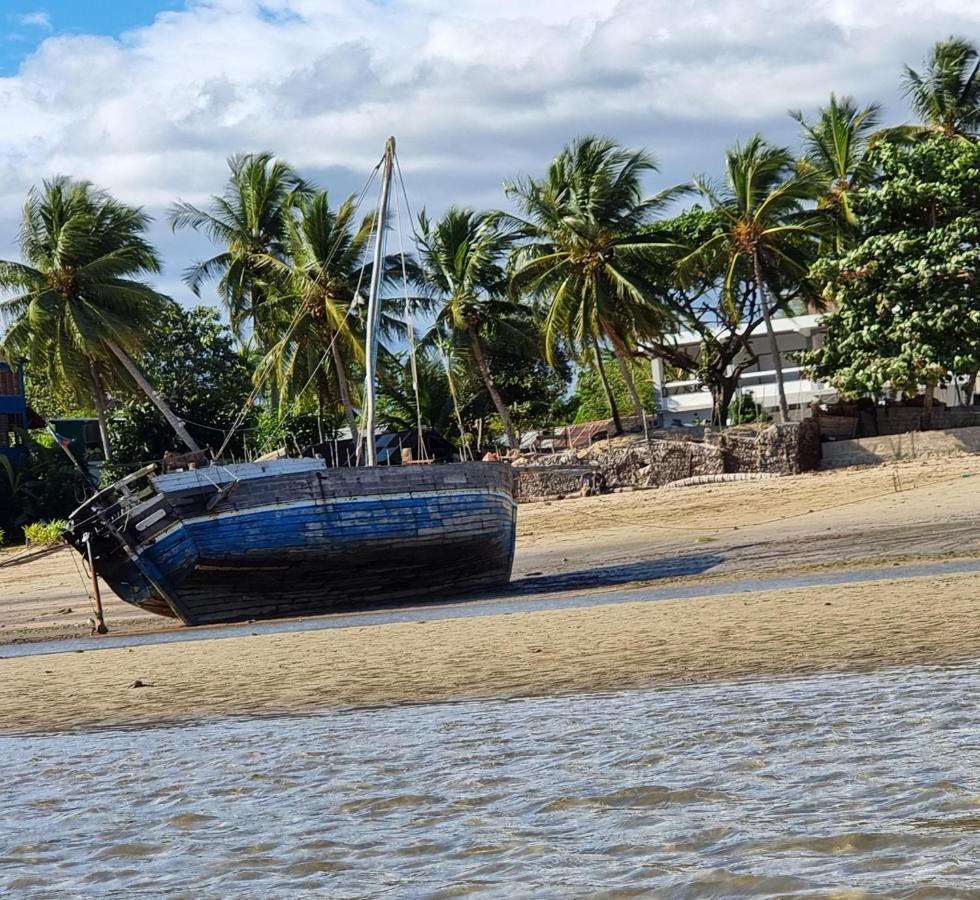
585	253
946	94
79	307
837	147
248	222
461	259
325	258
766	237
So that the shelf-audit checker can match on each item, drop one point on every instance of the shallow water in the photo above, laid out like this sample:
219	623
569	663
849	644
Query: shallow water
471	608
862	782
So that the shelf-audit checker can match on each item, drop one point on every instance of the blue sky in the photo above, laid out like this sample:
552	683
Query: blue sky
27	22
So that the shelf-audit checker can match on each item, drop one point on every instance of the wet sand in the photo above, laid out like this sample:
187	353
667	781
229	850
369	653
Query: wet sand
847	628
918	510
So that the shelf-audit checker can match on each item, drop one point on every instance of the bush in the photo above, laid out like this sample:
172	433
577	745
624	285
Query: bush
45	534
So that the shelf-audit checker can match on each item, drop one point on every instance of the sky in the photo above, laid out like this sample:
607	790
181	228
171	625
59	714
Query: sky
147	99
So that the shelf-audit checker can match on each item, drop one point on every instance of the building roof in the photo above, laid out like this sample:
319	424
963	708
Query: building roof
781	325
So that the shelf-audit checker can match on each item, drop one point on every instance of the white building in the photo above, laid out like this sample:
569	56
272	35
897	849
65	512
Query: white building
685	402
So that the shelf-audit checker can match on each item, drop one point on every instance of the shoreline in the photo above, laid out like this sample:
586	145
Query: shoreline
857	627
702	540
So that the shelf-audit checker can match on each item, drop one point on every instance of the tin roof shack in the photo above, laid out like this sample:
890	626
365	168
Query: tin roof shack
14	418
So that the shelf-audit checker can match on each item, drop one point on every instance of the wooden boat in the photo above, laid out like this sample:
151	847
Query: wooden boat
293	537
290	537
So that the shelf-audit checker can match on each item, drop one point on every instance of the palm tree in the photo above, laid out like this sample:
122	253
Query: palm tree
79	307
946	96
585	250
248	220
766	236
325	258
836	147
461	260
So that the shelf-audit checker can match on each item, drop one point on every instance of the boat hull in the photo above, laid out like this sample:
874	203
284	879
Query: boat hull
295	538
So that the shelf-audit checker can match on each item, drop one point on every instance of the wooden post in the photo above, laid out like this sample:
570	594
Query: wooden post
100	626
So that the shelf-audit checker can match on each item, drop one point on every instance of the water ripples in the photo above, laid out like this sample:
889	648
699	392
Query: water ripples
863	783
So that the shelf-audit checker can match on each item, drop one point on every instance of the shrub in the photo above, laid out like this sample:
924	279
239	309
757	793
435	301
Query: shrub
45	533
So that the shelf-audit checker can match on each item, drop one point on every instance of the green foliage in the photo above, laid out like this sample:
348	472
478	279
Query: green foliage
946	95
45	534
289	429
194	362
907	297
585	223
247	221
589	399
744	410
44	485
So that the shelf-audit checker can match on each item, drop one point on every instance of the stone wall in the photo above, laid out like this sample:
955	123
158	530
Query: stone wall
777	449
892	448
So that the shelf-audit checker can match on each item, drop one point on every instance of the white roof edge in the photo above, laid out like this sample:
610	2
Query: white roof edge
781	325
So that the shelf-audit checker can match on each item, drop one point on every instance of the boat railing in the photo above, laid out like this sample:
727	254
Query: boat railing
115	504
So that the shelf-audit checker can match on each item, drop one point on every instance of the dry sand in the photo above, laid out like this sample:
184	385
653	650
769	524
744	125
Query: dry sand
921	510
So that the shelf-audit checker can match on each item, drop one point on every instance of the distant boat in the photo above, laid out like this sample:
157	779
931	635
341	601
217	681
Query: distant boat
288	537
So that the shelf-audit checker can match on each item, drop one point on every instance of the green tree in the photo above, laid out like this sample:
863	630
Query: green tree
462	259
79	308
248	222
589	400
584	223
324	259
946	94
837	147
906	296
194	360
766	237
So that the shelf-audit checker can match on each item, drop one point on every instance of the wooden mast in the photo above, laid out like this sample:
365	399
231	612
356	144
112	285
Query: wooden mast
371	342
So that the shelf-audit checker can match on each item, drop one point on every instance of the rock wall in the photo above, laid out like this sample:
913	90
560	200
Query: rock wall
777	449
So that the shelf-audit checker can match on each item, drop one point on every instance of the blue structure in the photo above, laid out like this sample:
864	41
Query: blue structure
13	412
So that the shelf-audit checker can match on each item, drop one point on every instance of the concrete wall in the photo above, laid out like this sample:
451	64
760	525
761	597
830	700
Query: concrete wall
894	447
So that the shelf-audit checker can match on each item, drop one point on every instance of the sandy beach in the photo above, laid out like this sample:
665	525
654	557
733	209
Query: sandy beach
705	535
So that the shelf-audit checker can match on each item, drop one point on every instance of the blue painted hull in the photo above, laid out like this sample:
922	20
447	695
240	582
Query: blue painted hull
269	552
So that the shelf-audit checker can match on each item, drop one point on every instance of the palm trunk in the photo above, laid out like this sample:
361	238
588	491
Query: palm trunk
624	370
98	397
927	405
155	398
610	398
344	390
773	345
498	402
319	407
966	393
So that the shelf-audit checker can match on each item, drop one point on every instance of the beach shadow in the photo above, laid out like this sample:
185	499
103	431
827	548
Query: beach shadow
612	575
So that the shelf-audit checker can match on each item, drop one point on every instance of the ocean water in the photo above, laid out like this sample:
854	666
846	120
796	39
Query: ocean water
853	784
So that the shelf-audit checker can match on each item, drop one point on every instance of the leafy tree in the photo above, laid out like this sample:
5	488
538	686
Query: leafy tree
745	410
194	360
40	487
79	308
248	222
946	95
589	400
584	223
462	260
766	238
907	296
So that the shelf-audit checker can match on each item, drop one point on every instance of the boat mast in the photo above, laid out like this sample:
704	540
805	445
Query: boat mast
371	342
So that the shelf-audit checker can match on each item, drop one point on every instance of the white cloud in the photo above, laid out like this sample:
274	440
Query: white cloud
36	20
476	91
